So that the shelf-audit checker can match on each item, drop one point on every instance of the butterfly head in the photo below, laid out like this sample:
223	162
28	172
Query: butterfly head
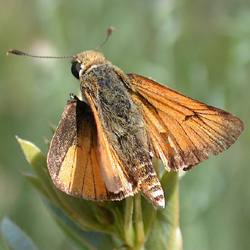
84	61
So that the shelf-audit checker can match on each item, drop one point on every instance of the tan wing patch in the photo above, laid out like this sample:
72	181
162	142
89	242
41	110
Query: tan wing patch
80	172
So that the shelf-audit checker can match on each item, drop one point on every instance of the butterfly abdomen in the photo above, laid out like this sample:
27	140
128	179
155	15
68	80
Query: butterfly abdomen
150	186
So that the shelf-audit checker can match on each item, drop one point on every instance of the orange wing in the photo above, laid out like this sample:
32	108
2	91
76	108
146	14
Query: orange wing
183	131
73	160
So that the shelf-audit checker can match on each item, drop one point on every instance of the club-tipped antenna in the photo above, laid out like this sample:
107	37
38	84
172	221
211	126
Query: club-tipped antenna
20	53
109	32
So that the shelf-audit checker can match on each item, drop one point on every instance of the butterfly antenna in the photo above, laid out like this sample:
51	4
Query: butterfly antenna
20	53
109	32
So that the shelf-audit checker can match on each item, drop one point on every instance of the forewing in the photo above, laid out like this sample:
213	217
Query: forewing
183	131
73	160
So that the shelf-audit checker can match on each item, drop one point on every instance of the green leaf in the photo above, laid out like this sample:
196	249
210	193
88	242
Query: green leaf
36	159
14	237
38	162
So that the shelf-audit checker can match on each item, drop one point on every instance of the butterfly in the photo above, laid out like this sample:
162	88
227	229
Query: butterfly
104	144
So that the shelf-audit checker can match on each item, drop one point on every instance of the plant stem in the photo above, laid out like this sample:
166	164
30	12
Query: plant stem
128	226
139	228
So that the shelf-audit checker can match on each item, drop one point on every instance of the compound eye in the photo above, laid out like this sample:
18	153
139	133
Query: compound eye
75	68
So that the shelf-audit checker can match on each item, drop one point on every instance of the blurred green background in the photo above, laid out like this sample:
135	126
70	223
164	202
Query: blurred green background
200	48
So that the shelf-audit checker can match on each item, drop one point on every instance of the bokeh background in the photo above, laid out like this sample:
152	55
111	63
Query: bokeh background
200	48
